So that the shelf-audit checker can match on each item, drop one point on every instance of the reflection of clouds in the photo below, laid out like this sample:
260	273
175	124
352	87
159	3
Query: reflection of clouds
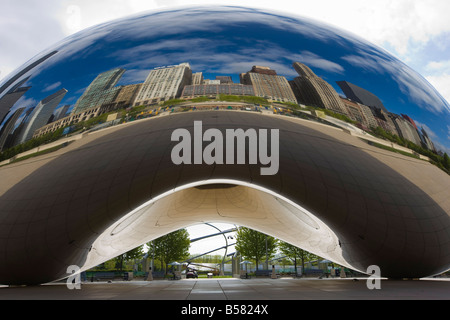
221	55
52	86
26	103
229	41
430	132
410	83
366	63
313	60
134	76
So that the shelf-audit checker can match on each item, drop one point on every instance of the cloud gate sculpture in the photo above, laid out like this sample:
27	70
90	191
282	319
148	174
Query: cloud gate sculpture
135	128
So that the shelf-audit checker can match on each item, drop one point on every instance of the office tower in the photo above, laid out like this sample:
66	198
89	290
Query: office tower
426	141
62	112
41	114
405	129
100	91
368	115
313	90
164	83
408	118
6	133
384	120
354	111
126	96
224	79
360	95
8	100
197	78
25	70
267	84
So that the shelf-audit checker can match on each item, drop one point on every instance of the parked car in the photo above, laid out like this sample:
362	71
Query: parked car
191	274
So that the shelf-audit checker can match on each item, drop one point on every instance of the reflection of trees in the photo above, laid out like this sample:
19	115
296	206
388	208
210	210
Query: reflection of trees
30	144
442	162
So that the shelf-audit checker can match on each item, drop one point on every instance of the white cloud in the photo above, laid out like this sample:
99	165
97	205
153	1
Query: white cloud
441	83
313	60
27	27
52	86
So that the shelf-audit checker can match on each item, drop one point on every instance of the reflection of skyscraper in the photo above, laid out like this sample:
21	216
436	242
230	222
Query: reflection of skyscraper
164	83
25	70
197	78
408	118
100	91
361	95
61	113
6	133
267	84
224	79
426	141
405	129
313	90
9	99
41	114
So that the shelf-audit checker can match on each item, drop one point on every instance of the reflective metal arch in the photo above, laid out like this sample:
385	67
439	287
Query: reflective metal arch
70	206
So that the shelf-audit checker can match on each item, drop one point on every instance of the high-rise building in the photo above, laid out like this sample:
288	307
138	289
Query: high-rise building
405	129
426	141
384	120
197	78
101	90
354	111
368	115
408	118
361	95
267	84
8	100
6	133
25	70
126	96
41	114
164	83
224	79
313	90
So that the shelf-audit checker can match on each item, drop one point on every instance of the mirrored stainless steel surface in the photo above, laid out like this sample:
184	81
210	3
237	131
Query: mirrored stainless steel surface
86	127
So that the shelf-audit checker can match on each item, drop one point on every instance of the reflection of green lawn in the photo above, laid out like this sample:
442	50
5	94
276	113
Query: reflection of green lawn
50	150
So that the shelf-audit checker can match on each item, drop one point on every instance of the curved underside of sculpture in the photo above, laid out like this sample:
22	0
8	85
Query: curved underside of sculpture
118	188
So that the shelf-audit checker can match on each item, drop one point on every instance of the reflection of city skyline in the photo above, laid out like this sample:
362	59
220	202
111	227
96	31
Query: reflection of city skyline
228	42
172	82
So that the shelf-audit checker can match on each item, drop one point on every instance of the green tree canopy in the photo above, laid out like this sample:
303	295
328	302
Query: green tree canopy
171	247
136	253
295	253
252	244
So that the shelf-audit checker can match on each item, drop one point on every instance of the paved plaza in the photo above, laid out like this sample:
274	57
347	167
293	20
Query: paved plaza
237	290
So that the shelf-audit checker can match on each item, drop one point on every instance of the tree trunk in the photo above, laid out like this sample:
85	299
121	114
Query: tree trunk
295	266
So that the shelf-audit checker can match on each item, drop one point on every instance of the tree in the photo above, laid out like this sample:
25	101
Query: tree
171	247
136	253
446	161
253	244
295	253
